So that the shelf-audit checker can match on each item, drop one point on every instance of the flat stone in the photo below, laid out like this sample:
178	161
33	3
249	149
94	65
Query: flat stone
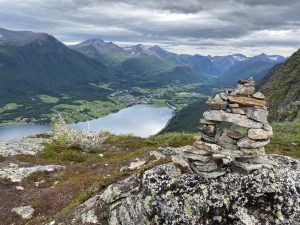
243	90
24	211
234	134
191	149
178	160
233	105
217	149
238	111
247	166
259	134
253	151
202	149
237	119
204	121
246	101
257	114
249	143
217	106
194	156
224	96
207	167
258	95
135	165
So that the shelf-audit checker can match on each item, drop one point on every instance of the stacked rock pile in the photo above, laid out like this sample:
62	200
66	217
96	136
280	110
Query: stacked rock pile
239	147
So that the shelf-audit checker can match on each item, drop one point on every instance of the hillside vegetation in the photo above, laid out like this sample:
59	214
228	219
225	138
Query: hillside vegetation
282	89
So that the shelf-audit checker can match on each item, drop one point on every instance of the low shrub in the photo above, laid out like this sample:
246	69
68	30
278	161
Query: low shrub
85	140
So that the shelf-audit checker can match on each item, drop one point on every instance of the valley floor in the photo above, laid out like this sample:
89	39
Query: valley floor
42	108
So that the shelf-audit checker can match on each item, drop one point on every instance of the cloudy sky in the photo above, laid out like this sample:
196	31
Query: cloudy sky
215	27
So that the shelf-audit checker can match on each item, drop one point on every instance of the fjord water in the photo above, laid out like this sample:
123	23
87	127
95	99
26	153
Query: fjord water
138	120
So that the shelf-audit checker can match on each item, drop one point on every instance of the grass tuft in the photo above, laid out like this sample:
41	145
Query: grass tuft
286	139
174	139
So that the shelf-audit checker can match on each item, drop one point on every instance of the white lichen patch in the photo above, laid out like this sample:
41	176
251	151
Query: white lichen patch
23	146
89	217
24	211
16	174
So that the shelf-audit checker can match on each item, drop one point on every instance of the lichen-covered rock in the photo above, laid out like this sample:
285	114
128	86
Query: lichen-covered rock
257	114
16	174
237	119
259	134
165	195
249	143
23	146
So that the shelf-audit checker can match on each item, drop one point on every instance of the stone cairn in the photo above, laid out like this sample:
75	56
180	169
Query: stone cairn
240	147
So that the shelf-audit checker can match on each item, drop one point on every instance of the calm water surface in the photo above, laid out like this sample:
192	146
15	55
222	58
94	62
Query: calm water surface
139	120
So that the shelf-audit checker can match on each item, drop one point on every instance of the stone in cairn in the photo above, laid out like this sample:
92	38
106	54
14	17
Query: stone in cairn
243	107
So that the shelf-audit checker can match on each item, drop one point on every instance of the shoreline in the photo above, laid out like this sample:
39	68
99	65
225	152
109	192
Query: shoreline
4	125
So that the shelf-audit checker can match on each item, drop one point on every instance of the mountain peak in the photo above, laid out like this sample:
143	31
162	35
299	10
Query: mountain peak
19	38
96	42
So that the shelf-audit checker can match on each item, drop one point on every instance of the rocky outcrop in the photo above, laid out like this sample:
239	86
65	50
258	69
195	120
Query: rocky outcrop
23	146
167	195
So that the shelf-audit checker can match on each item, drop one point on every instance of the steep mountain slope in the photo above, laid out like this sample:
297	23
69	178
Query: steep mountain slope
36	63
282	89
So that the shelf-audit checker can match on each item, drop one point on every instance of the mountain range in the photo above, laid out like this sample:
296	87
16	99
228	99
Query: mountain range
34	64
227	68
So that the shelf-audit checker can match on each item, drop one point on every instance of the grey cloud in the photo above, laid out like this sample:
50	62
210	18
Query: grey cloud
169	22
